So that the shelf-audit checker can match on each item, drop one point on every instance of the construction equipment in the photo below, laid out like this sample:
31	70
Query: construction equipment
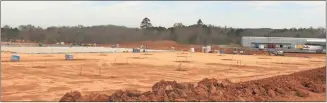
275	52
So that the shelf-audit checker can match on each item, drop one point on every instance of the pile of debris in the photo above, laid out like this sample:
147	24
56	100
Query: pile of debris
299	84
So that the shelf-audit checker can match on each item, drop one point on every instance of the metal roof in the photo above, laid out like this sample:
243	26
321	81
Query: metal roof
307	39
316	40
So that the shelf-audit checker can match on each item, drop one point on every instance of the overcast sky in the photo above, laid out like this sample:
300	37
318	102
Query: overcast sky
238	14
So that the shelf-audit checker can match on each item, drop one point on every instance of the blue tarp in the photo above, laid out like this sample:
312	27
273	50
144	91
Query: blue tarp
15	58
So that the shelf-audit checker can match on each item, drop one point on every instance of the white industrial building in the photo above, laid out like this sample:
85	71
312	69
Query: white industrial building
312	44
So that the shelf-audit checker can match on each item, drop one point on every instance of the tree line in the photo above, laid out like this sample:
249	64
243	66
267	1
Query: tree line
198	33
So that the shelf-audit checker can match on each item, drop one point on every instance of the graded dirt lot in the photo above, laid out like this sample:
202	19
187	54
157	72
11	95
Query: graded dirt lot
308	85
47	77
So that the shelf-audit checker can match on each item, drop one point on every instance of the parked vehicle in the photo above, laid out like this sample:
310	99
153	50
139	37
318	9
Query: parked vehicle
320	51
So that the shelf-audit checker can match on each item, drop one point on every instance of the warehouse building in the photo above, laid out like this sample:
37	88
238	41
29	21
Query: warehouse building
312	44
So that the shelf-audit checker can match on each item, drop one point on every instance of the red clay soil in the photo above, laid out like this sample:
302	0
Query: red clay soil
306	55
300	85
257	52
162	44
246	51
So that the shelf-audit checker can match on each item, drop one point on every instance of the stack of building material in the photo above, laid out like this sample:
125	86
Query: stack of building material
15	57
68	57
192	50
221	51
136	50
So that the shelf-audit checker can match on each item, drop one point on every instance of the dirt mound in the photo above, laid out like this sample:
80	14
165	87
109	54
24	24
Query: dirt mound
300	84
257	52
75	96
71	96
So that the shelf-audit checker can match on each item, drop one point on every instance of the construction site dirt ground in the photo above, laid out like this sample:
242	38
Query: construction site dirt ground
47	77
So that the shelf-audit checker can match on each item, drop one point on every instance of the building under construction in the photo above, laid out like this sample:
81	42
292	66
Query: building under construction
288	44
